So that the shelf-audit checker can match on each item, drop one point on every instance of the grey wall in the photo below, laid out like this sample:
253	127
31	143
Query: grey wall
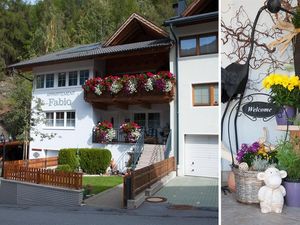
15	192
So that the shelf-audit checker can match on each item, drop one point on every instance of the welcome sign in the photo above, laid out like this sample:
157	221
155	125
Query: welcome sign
260	109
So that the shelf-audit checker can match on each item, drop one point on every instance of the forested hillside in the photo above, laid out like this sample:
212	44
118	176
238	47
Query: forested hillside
29	30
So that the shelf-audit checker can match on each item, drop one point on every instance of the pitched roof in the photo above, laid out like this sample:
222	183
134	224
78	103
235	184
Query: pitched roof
128	30
92	50
197	11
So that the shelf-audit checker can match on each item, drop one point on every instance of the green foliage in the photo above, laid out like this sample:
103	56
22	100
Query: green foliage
260	164
296	18
94	161
69	157
64	168
288	160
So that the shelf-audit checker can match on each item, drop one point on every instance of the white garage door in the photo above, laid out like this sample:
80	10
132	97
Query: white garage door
201	155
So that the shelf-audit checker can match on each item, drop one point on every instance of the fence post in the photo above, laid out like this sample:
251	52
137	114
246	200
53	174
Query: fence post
127	189
38	176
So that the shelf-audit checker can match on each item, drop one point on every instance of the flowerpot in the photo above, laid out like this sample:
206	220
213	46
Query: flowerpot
297	54
292	197
285	115
231	182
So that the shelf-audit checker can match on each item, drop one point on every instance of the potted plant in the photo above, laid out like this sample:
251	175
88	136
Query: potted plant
104	132
132	131
289	160
251	159
285	94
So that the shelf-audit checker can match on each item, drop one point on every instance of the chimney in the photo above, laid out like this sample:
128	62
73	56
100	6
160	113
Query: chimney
179	7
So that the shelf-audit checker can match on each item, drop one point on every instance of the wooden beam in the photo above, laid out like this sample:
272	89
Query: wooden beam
146	105
121	105
99	105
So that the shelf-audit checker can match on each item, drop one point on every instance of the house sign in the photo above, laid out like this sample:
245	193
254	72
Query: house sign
260	109
59	102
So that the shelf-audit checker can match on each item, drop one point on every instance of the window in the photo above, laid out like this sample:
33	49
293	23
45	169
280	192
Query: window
49	119
73	78
140	119
49	80
205	94
188	46
70	119
84	75
40	81
60	119
153	120
199	44
61	79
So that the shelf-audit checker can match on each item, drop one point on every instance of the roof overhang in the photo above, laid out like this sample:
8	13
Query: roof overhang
179	21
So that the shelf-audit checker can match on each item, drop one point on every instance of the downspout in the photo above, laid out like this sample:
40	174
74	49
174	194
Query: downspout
176	94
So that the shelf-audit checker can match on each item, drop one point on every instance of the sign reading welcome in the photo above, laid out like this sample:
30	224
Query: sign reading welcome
260	109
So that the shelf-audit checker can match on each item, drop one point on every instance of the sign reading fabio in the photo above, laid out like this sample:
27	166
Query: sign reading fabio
260	109
59	102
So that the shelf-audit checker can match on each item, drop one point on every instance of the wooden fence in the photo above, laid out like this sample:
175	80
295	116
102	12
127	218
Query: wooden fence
34	163
139	180
43	176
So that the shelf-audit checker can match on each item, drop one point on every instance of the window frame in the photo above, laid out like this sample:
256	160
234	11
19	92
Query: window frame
73	73
65	75
65	120
80	78
52	81
211	92
198	36
36	81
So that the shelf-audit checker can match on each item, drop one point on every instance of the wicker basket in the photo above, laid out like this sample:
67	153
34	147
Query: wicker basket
247	186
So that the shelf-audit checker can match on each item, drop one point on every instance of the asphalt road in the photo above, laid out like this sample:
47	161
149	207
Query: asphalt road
146	215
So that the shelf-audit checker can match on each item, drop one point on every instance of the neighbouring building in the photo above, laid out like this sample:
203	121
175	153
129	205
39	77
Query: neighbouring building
137	47
195	61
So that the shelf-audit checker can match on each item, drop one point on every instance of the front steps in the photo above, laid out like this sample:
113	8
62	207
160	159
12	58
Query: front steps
150	155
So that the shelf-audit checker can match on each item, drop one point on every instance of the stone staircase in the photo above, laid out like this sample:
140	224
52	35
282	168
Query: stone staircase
150	155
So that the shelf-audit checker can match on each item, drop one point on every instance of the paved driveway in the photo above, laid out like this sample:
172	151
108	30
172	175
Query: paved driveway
199	192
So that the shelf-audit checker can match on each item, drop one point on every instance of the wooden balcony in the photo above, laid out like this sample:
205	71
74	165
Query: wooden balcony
123	101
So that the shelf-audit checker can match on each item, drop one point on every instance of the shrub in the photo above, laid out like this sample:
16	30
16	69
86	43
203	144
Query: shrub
94	161
69	157
64	168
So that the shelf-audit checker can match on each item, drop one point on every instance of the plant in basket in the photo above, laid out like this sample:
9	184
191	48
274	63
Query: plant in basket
104	132
132	131
252	159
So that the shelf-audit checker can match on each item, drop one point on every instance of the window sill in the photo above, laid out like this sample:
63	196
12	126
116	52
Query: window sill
58	128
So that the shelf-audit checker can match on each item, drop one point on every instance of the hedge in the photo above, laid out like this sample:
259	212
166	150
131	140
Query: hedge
94	161
68	156
64	168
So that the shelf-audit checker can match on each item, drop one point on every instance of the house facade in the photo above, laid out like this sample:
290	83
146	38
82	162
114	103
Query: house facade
195	61
137	47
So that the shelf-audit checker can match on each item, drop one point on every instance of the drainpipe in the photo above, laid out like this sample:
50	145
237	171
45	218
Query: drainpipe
176	94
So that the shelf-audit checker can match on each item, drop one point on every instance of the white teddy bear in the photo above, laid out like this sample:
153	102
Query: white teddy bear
271	195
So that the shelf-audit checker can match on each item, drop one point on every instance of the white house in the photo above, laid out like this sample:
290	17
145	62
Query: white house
138	46
195	61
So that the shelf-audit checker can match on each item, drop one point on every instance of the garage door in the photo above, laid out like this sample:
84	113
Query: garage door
201	155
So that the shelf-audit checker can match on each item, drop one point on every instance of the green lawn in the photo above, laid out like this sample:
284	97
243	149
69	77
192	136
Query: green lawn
100	184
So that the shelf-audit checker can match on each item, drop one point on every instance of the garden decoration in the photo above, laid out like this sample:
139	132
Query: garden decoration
271	195
234	77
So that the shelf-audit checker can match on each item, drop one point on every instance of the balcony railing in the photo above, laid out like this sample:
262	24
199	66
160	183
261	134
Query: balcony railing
151	136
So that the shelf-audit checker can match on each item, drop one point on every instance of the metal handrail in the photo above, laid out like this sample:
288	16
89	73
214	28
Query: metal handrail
121	163
138	149
168	147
